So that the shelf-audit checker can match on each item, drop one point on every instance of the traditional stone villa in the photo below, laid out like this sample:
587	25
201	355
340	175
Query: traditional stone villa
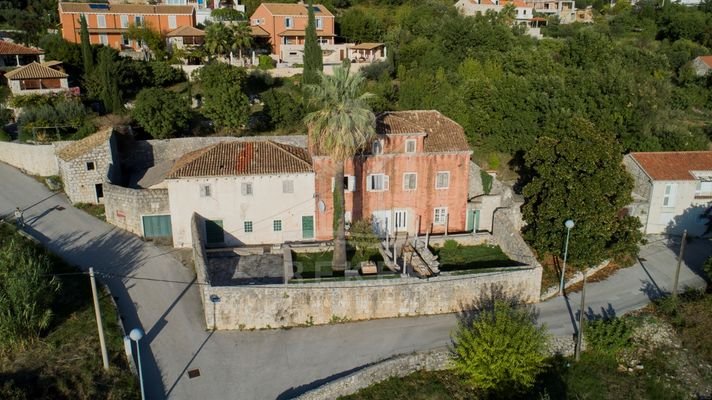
248	193
84	165
673	191
13	55
36	78
414	178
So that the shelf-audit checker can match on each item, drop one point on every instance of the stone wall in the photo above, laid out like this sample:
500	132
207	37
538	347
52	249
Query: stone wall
81	181
398	366
125	207
200	260
506	235
34	159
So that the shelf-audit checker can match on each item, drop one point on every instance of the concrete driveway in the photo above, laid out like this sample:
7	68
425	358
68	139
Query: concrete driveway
156	292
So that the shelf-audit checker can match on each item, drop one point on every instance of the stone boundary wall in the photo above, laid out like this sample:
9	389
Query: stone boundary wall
507	236
398	366
124	207
35	159
146	153
465	239
200	263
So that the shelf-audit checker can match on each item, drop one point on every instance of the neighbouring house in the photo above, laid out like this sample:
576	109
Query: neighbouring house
109	23
523	12
13	55
672	192
367	52
185	37
84	165
36	78
247	192
286	26
702	65
564	9
204	8
413	178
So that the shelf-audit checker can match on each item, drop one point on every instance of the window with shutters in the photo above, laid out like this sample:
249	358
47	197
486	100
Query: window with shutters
377	147
101	21
349	183
669	195
377	183
288	186
124	21
440	215
410	181
246	189
410	145
442	180
288	22
172	22
205	191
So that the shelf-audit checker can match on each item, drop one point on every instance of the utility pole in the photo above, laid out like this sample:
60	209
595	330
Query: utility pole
99	325
679	262
579	338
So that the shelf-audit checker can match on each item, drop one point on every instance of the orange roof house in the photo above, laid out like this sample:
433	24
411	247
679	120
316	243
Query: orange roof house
36	78
14	55
108	23
702	65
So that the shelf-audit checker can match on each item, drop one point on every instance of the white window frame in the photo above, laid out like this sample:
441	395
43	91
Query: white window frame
277	225
349	185
288	22
124	20
319	23
669	194
377	147
322	40
439	215
125	41
437	180
247	224
101	21
405	181
138	20
246	189
206	190
172	22
371	183
699	188
409	143
287	186
104	39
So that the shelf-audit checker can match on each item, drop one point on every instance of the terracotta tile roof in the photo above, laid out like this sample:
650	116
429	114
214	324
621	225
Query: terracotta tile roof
35	70
707	60
673	165
242	158
103	8
83	146
259	31
367	46
298	32
295	9
8	48
442	133
185	31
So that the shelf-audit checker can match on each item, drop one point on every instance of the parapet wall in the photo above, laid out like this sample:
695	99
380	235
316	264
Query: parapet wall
35	159
124	206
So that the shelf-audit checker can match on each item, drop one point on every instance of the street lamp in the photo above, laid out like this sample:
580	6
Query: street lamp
215	299
136	334
568	224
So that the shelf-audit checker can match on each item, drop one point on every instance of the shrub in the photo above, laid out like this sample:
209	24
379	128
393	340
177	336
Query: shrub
451	245
227	106
502	350
161	113
165	75
284	107
4	137
362	237
486	182
266	62
374	70
608	335
708	268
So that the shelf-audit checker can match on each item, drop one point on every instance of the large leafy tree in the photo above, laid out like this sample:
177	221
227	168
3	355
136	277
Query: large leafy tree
313	58
342	125
227	106
501	350
577	174
162	113
149	37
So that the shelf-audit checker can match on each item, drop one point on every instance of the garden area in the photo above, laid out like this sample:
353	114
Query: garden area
50	348
456	257
318	265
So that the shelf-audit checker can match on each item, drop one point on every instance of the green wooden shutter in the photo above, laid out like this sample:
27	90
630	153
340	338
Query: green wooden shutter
157	226
214	232
307	227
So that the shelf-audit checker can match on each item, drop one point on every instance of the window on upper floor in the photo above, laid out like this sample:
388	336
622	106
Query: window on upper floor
90	166
288	186
288	22
410	181
703	189
669	195
246	188
442	180
138	20
349	183
104	39
206	190
247	226
277	225
319	23
124	21
411	145
440	216
377	183
172	22
125	40
101	21
377	147
323	40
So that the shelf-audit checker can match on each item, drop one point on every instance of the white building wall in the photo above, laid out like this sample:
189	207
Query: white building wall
227	203
684	213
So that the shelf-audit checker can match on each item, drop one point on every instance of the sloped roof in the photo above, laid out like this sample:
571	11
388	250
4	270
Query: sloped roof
295	9
442	133
258	31
103	8
707	60
35	70
83	146
185	31
8	48
367	46
301	32
242	158
673	165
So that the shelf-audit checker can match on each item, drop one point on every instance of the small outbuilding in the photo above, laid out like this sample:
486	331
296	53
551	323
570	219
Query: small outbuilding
36	78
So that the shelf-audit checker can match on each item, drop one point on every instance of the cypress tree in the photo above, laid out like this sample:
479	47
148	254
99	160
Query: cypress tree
313	62
87	55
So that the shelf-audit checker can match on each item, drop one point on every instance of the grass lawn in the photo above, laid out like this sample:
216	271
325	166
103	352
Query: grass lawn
65	362
95	210
318	265
457	258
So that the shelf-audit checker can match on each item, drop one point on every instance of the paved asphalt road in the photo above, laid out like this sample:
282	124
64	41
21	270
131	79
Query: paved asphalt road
157	293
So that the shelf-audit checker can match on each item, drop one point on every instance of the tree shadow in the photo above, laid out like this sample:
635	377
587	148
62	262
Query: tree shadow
485	301
697	221
294	392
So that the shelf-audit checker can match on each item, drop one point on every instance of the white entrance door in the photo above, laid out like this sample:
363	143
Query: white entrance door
400	218
380	221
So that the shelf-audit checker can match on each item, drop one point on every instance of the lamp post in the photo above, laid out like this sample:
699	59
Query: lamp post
215	299
136	334
568	224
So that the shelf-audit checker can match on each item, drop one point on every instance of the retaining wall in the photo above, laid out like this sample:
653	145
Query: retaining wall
507	236
125	207
35	159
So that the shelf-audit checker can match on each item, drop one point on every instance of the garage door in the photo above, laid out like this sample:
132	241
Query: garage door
157	226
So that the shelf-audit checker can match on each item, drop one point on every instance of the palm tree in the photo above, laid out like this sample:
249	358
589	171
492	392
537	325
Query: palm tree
342	126
218	39
241	38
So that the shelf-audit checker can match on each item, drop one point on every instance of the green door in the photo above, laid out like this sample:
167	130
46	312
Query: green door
308	227
157	226
476	215
473	220
214	232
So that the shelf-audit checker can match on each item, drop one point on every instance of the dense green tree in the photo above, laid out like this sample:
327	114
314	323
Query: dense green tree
227	106
241	38
162	113
501	350
361	25
104	81
150	37
227	15
87	53
285	108
313	58
217	74
577	174
342	126
218	40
